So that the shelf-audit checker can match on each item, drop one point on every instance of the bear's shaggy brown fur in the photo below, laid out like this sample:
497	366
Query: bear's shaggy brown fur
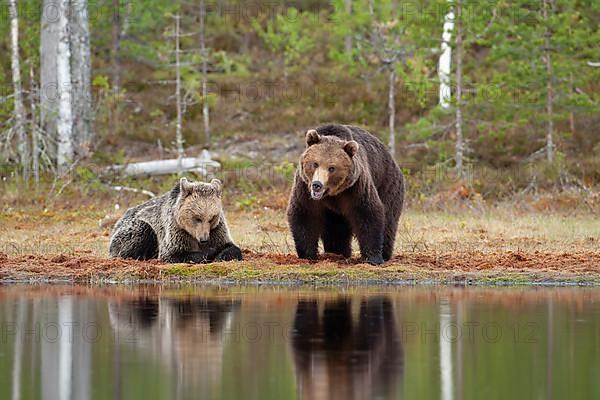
186	224
347	183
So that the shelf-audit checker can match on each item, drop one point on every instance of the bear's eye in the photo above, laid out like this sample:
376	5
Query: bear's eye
198	220
315	165
331	170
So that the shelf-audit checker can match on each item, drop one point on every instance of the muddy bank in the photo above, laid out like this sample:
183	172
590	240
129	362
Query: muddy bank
473	268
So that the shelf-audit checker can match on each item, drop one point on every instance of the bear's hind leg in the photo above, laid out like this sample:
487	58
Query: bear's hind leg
136	240
389	236
393	198
337	234
368	224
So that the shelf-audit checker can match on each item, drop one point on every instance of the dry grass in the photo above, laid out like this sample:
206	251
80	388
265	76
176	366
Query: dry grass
266	231
491	246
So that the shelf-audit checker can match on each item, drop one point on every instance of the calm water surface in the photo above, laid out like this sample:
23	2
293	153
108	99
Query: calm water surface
69	342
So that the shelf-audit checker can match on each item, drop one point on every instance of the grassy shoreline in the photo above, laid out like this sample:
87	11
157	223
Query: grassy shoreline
582	268
493	246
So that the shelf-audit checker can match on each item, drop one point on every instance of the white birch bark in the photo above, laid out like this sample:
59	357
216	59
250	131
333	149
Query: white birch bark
549	90
178	128
116	46
19	109
130	9
117	31
205	109
49	93
445	61
81	71
64	124
34	127
460	145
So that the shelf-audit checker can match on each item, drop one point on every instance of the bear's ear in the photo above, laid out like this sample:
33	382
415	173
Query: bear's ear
351	148
185	186
312	137
218	186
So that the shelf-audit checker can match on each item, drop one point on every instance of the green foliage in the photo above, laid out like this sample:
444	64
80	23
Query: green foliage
505	74
114	157
286	170
290	34
247	202
101	82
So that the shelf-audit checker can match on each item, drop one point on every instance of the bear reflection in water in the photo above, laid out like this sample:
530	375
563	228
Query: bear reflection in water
183	334
341	348
341	356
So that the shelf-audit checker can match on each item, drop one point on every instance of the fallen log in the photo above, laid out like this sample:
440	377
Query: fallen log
203	165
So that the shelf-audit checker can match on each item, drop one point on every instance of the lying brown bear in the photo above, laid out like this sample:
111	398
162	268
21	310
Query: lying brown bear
347	183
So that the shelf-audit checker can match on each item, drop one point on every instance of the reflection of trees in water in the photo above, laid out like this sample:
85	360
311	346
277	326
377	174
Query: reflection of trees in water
344	347
183	333
341	357
58	344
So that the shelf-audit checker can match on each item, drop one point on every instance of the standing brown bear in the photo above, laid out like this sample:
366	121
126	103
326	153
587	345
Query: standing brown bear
346	183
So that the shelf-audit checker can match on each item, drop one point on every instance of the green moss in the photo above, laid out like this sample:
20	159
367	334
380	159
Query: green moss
181	270
250	272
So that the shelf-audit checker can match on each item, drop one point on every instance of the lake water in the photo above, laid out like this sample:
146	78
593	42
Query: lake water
153	342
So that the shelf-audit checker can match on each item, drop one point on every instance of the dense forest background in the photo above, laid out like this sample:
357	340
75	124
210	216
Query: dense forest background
458	85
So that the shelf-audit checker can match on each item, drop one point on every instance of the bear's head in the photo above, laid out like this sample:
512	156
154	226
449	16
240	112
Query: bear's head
327	165
199	207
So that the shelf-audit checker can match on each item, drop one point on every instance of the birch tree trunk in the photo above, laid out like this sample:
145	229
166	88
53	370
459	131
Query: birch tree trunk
116	46
549	89
444	65
115	60
19	109
49	90
34	127
205	109
179	123
348	39
571	114
460	145
64	123
392	108
81	71
65	85
130	9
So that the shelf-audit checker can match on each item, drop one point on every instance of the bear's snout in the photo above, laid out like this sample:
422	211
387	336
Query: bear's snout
203	235
316	190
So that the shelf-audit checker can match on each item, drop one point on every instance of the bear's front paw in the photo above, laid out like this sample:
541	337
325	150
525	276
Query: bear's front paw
231	253
375	260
